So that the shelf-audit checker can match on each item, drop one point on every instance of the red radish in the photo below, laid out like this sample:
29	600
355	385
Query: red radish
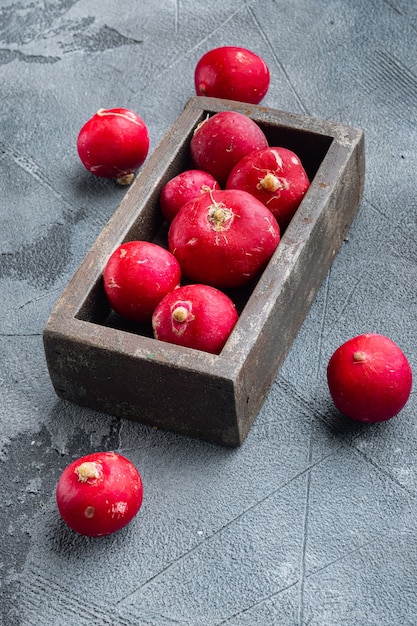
220	141
224	238
232	72
195	316
99	493
182	188
276	177
137	276
114	143
369	378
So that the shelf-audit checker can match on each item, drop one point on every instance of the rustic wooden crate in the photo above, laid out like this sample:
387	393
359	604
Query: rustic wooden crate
97	360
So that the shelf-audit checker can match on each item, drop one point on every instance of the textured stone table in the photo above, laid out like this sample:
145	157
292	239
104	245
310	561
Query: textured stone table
313	520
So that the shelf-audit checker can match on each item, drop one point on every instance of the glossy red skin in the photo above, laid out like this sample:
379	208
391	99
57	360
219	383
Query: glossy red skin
222	140
223	256
280	166
101	505
184	187
209	318
369	378
137	276
232	72
113	143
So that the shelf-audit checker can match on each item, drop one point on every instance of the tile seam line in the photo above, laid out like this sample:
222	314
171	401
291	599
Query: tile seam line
303	107
244	6
383	472
296	582
257	603
393	8
304	541
29	165
347	444
211	537
396	226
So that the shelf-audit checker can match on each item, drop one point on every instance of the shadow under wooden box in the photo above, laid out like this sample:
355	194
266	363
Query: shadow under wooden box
97	360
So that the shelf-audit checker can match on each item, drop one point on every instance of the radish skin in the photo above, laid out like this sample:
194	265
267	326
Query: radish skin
369	378
222	140
114	143
184	187
223	239
233	73
276	177
99	494
137	276
195	316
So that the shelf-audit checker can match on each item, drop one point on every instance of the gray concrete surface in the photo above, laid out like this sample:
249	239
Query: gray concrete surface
313	520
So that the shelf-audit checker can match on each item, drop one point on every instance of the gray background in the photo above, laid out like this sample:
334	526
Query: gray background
313	520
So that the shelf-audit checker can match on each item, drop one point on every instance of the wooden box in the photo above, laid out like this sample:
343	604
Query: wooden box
98	361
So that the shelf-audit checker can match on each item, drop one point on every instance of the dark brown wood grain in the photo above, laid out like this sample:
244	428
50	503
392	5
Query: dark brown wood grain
97	360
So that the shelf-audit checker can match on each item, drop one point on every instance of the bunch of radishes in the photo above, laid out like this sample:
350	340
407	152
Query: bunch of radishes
225	217
225	222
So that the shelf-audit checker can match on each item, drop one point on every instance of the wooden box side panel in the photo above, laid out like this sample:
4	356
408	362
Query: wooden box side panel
289	294
149	391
